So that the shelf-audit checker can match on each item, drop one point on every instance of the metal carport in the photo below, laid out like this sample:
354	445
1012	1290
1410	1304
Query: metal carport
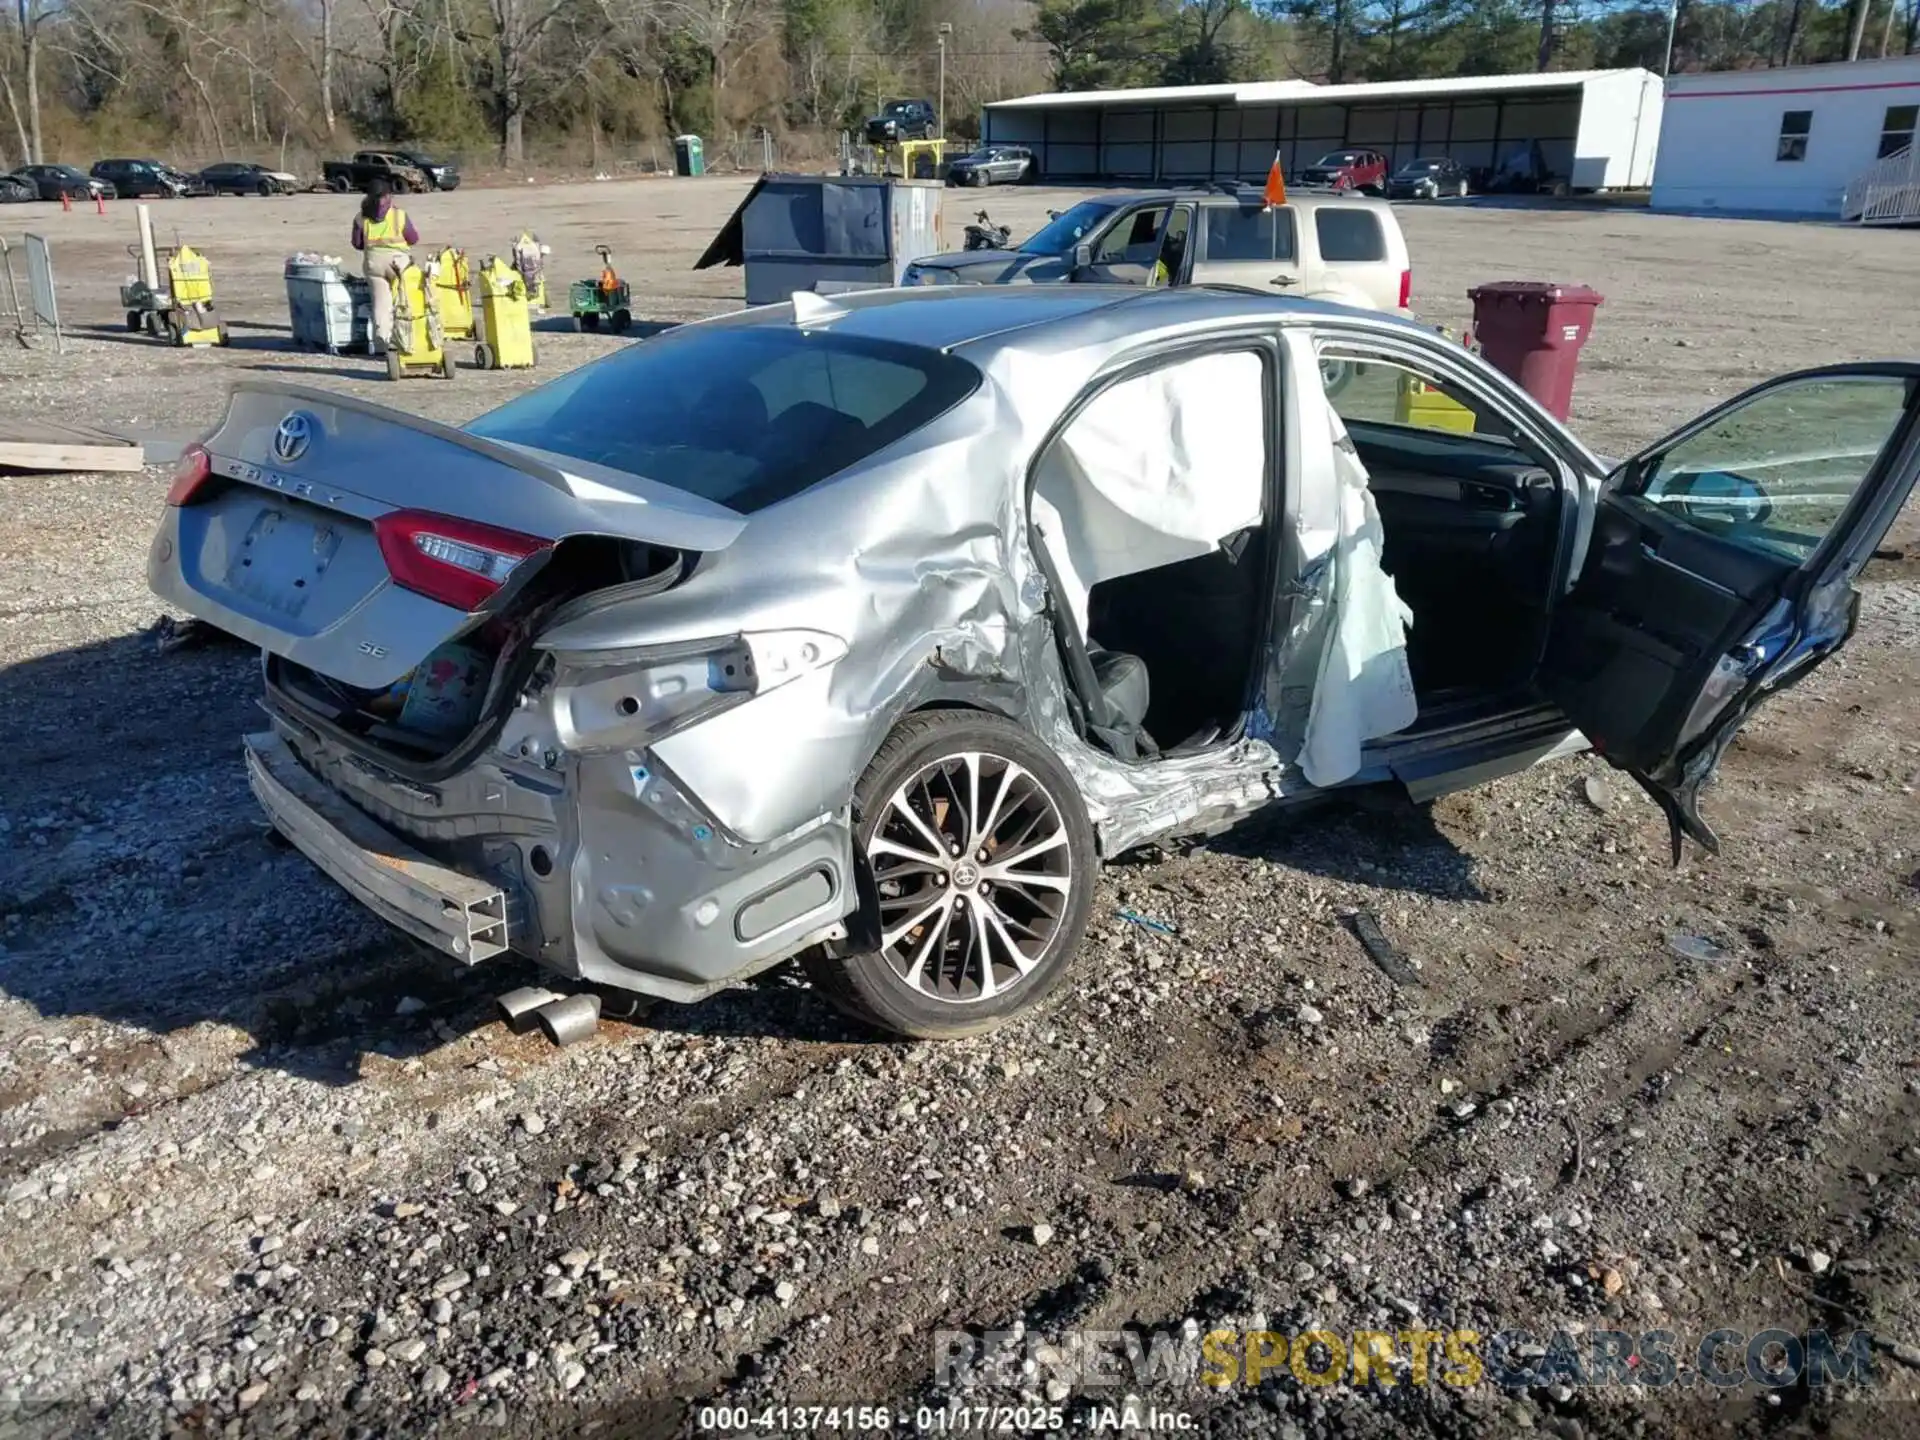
1597	128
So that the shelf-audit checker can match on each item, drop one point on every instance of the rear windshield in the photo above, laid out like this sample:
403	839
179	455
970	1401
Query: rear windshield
1249	233
1349	233
743	417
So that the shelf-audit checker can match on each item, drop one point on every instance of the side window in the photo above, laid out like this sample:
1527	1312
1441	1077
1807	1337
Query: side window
1795	127
1377	393
1777	473
1896	130
1135	238
1242	232
1349	234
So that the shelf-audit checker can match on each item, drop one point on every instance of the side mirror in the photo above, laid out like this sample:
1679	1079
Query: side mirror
1082	256
1715	497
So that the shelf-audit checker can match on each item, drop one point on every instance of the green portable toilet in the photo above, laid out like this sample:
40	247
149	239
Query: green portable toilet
688	157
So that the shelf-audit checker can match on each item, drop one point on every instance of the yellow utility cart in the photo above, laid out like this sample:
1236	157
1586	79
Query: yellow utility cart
183	313
505	333
417	344
1418	403
453	282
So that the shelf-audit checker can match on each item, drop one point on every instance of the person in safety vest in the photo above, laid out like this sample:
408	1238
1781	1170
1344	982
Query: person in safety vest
1173	250
382	232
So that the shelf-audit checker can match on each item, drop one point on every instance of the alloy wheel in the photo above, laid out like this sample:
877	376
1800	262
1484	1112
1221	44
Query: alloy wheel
974	872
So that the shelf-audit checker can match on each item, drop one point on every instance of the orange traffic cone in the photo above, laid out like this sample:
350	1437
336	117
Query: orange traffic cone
99	202
66	201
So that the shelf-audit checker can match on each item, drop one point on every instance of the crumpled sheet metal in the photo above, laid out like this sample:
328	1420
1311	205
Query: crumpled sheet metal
940	598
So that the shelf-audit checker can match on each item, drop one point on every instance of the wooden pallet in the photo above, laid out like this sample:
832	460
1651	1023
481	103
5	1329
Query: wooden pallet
43	445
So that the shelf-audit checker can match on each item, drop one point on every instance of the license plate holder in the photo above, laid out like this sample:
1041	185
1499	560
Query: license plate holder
282	559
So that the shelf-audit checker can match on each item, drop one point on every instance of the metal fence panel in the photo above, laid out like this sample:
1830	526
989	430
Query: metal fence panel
40	282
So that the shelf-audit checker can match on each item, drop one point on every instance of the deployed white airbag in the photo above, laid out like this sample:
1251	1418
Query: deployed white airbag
1157	469
1363	688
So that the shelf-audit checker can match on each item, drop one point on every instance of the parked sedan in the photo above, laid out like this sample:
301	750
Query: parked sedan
53	181
993	165
864	629
242	177
138	178
15	188
1428	179
1347	170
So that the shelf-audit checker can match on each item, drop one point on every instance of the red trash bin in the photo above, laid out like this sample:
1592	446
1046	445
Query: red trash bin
1531	331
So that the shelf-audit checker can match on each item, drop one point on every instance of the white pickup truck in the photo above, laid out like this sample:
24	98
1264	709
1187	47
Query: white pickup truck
1316	247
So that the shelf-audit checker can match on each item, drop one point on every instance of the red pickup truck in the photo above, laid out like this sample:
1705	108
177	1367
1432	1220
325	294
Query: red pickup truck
1348	170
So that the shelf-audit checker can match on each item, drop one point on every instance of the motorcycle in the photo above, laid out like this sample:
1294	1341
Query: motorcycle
983	234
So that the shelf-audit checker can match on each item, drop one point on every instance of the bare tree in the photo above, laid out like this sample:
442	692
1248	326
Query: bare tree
1857	28
720	28
326	64
32	14
519	26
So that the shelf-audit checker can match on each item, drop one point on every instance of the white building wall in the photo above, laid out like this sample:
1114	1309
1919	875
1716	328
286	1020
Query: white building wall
1720	135
1619	125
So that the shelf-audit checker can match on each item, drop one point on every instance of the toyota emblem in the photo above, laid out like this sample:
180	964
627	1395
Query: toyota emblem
290	441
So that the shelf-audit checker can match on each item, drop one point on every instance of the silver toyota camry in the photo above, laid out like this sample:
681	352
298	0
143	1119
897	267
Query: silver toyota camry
860	630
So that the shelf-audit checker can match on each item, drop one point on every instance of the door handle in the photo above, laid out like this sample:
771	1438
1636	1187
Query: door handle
1284	280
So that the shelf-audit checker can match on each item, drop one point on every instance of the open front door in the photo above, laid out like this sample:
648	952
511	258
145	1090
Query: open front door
1721	570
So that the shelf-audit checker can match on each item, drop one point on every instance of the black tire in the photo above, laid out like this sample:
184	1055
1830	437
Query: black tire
176	332
588	322
135	320
868	987
622	321
266	188
339	185
446	365
482	356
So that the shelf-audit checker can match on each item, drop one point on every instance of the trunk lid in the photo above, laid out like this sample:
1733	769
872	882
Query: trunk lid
279	546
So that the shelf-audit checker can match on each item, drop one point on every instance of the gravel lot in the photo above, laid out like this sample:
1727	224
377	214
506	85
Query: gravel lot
264	1168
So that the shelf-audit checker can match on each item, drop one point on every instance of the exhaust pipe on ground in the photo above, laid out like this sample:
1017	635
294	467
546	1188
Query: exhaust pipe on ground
516	1008
568	1021
563	1019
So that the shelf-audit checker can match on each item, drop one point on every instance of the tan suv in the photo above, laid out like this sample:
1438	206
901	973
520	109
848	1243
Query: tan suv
1318	247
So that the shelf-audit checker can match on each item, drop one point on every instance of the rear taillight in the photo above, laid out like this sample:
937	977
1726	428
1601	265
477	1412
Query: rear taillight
1406	289
193	472
456	562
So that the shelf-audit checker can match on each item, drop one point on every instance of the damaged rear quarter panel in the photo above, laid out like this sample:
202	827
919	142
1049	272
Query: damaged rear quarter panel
925	596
